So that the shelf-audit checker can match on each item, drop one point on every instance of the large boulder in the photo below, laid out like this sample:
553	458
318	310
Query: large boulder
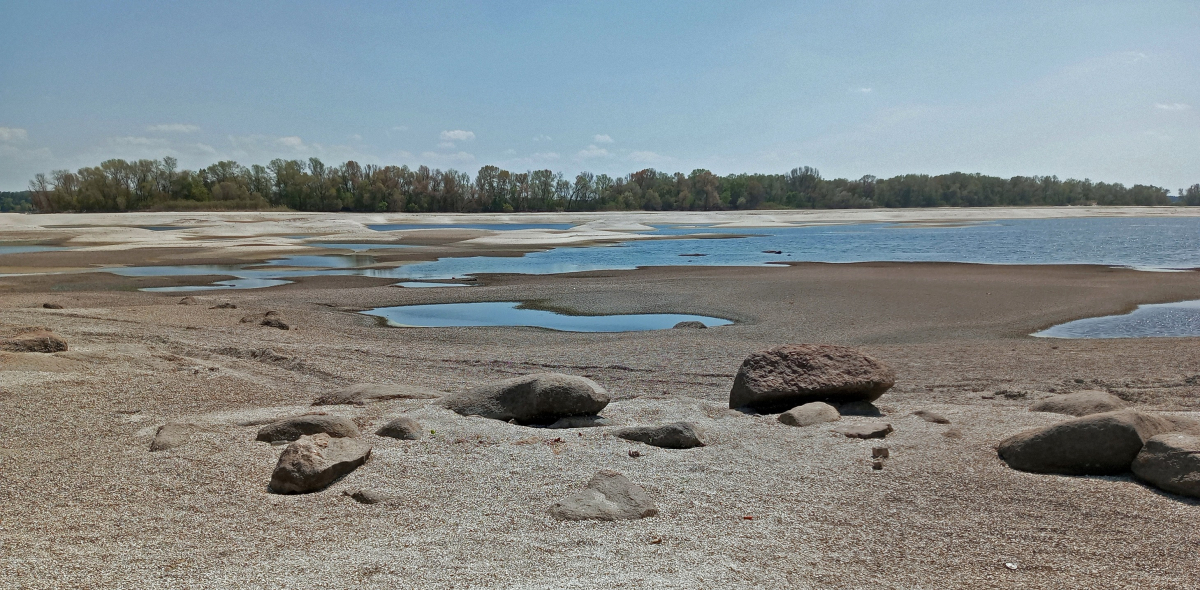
1171	462
291	429
32	339
1097	444
787	376
676	435
311	463
1080	403
809	414
541	398
608	496
362	393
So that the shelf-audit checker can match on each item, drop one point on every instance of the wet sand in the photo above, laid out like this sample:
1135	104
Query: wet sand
87	505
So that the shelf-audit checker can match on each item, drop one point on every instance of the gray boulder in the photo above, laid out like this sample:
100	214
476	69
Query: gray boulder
542	398
1170	462
785	377
172	435
608	496
865	430
362	393
676	435
1185	424
809	414
1080	403
293	428
1096	444
403	428
311	463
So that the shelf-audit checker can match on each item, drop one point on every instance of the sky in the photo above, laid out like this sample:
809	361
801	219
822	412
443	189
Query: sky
1102	90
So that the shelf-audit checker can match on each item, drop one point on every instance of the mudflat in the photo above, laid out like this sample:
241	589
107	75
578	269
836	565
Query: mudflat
762	505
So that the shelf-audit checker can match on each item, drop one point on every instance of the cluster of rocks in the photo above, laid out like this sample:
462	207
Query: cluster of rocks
271	319
1106	438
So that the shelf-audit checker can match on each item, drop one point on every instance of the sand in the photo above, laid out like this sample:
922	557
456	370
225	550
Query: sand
763	506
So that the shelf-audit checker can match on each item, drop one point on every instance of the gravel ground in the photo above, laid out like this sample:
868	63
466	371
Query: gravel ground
762	506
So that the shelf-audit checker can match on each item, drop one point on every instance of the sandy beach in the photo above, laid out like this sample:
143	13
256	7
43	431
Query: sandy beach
764	505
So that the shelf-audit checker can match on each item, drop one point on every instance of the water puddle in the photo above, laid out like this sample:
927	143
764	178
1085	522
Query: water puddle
421	284
1158	320
487	226
357	247
27	249
510	313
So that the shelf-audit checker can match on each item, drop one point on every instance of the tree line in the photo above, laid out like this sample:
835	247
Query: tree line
118	185
15	202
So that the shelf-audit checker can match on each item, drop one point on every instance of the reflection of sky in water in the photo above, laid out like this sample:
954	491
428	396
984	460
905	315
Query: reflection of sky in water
487	226
358	247
1161	320
507	313
26	249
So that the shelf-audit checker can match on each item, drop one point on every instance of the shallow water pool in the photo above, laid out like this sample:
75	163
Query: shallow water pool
510	313
1159	320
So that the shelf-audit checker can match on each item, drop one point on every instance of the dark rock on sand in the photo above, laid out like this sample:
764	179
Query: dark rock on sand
293	428
1097	444
270	319
189	300
52	306
865	430
313	462
859	408
224	306
32	339
608	496
541	398
809	414
581	422
785	377
1171	462
362	393
170	436
403	428
676	435
1080	403
368	496
690	324
929	416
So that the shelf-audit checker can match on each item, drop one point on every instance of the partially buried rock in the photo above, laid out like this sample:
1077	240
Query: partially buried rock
581	422
403	428
313	462
293	428
809	414
52	306
929	416
171	435
1097	444
189	300
859	408
32	339
270	319
1171	462
785	377
542	398
865	430
1080	403
608	496
368	496
225	305
362	393
690	324
676	435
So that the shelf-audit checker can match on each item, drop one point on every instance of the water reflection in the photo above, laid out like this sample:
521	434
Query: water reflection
509	313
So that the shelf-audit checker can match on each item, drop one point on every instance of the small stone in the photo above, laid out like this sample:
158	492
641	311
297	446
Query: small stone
865	430
189	300
953	432
292	429
809	414
170	436
362	393
634	453
676	435
274	323
403	428
880	453
311	463
367	496
608	496
933	417
690	324
224	306
52	306
877	464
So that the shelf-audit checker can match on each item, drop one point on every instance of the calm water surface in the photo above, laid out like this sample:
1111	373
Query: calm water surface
509	313
1159	320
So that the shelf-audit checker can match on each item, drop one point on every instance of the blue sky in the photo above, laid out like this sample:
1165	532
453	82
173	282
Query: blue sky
1103	90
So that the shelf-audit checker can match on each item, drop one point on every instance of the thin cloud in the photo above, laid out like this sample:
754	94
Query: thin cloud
173	128
1174	106
457	135
446	145
647	157
864	90
542	138
602	139
592	152
400	128
8	134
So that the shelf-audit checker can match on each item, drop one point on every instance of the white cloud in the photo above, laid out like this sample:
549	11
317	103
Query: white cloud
130	141
1174	106
173	128
602	139
592	152
355	137
542	138
291	141
864	90
446	145
457	135
8	134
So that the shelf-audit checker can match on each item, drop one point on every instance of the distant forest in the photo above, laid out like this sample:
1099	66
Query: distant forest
158	185
18	202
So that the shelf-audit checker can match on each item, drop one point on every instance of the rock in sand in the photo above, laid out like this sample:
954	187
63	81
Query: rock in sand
52	306
542	398
362	393
33	339
172	435
311	463
580	422
930	416
787	376
809	414
368	496
403	428
608	496
293	428
865	430
1080	403
1171	462
676	435
690	324
1097	444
